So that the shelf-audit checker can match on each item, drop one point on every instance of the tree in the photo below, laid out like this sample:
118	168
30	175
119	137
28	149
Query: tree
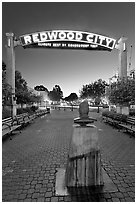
56	94
97	101
71	97
23	94
21	90
20	83
41	88
84	93
3	72
99	88
94	90
6	88
3	66
6	94
57	89
122	92
35	98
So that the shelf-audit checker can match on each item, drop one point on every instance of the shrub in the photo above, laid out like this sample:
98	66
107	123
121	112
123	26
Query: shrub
30	110
34	108
6	113
132	112
117	116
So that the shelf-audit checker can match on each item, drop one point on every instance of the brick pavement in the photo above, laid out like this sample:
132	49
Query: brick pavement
30	161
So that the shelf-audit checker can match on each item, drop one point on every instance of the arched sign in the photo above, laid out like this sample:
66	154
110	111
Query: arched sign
67	39
62	39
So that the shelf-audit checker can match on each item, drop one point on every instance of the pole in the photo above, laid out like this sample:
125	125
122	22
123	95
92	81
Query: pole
109	93
98	109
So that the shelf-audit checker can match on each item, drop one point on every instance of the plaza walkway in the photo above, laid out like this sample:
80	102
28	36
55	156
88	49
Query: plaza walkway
31	159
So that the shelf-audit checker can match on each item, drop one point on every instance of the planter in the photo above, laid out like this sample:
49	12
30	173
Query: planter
122	109
118	109
112	108
125	110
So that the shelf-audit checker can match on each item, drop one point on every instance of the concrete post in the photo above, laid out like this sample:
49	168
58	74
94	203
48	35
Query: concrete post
10	71
84	160
122	47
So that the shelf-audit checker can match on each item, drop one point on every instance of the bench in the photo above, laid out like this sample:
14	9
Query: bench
114	118
120	121
108	120
41	112
29	118
13	123
9	125
37	112
24	118
108	117
129	125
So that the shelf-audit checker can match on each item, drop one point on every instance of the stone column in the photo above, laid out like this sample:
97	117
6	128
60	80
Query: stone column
10	71
122	47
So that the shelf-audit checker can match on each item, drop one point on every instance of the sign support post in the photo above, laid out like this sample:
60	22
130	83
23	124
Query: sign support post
10	71
122	47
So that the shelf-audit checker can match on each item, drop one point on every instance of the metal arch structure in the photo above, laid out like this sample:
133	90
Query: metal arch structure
62	39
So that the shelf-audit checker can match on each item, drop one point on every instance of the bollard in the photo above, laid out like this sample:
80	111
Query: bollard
72	108
48	110
84	159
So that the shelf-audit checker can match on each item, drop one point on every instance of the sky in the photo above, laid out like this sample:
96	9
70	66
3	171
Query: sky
70	69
